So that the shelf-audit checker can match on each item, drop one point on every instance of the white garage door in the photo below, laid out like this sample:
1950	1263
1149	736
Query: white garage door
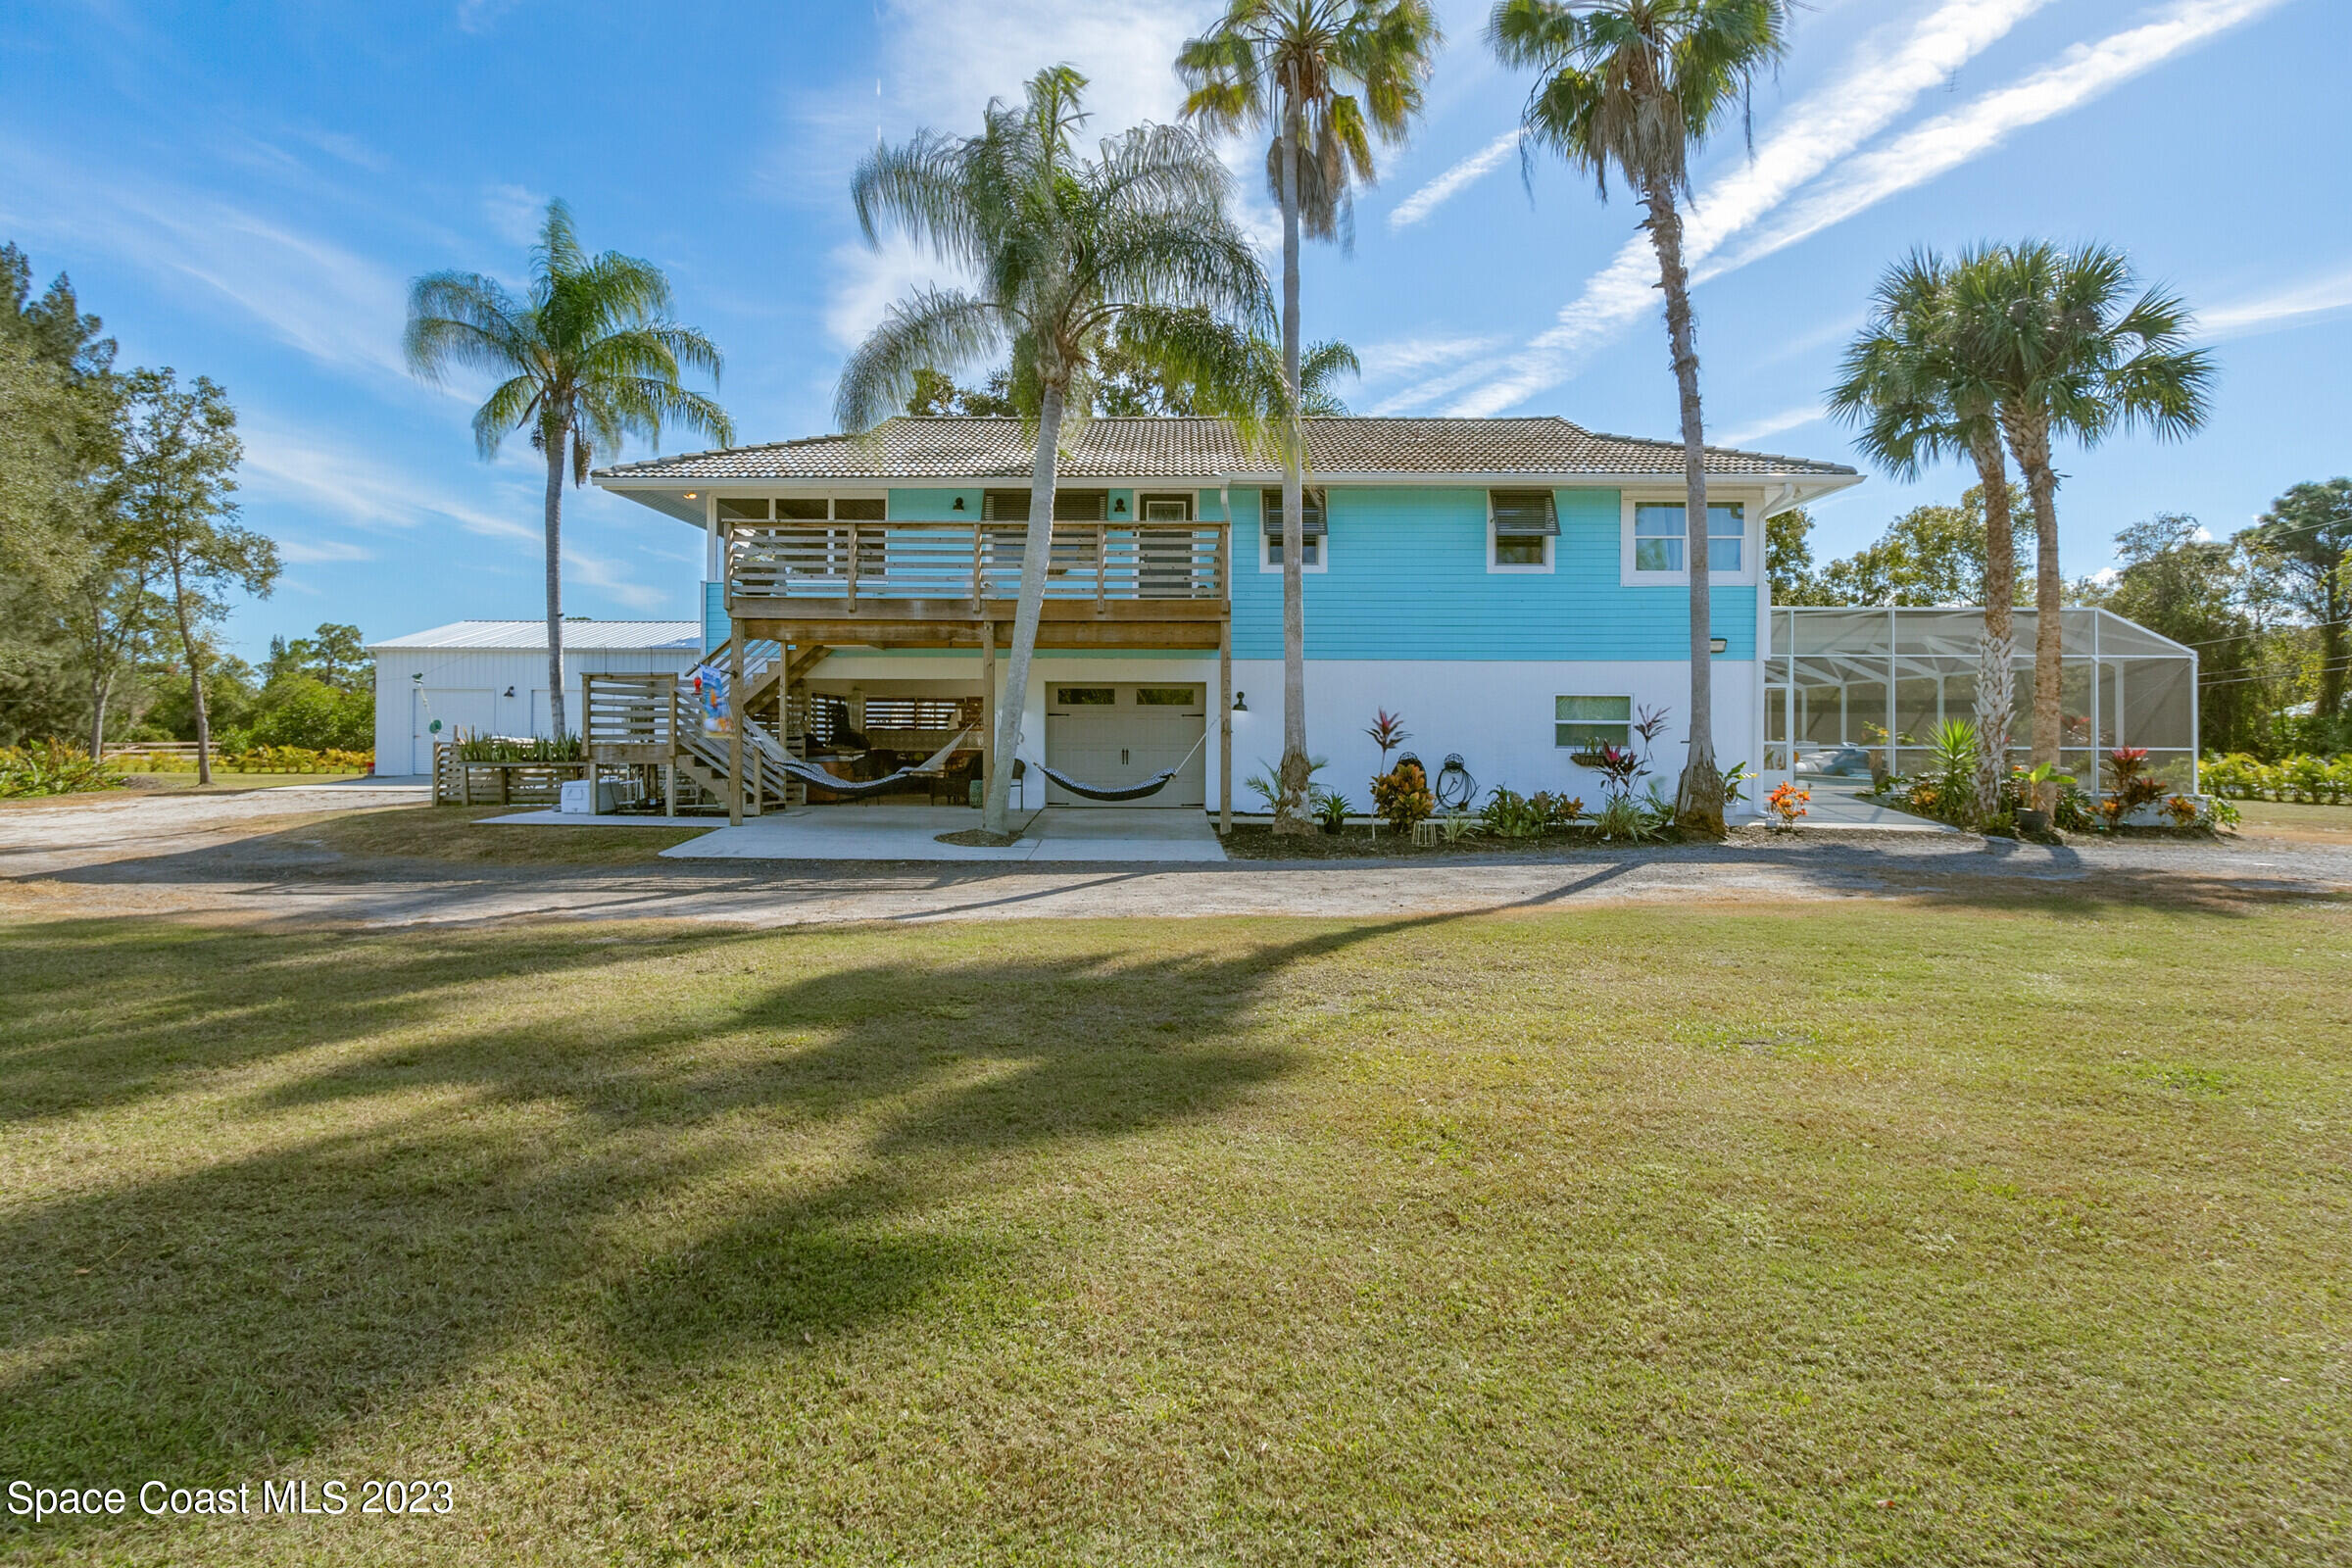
456	708
1115	735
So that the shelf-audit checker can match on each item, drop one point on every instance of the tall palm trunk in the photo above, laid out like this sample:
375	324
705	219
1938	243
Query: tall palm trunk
1289	807
554	581
2029	442
1037	558
1997	671
1699	803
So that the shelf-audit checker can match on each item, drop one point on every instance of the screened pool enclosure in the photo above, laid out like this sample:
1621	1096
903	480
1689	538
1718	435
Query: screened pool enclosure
1856	692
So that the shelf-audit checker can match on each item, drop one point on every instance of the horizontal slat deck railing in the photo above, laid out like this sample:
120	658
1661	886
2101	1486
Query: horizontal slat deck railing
629	717
1102	561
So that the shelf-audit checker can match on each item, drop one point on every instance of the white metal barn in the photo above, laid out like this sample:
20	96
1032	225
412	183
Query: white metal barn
489	677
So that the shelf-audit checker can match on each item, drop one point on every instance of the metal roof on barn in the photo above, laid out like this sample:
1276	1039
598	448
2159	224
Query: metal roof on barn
579	636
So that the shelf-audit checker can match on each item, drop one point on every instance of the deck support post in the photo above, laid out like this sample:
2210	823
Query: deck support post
987	704
734	722
1225	729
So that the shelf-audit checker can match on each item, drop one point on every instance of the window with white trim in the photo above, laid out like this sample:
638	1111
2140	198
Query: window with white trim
1588	723
1521	525
1311	527
1661	536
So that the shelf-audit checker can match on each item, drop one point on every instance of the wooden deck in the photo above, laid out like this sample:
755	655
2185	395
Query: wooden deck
941	585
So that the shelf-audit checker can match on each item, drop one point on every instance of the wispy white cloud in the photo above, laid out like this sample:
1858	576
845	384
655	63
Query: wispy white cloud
312	550
1772	424
1884	77
2296	304
1479	163
309	292
2083	72
942	61
1408	355
615	579
352	489
514	213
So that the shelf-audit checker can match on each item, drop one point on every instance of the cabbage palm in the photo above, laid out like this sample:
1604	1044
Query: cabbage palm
2065	352
1064	251
589	356
1634	88
1910	384
1323	77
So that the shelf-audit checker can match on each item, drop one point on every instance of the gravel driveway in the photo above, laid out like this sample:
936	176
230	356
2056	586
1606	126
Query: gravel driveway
228	856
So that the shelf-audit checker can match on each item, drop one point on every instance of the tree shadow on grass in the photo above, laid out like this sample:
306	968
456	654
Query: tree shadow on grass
613	1186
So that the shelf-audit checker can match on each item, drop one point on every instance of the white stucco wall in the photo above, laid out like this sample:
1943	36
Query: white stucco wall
1498	714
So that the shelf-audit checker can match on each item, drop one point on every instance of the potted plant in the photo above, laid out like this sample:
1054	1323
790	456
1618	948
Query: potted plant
2032	819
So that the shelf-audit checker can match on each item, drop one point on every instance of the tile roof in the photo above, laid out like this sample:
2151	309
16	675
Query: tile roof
579	636
955	448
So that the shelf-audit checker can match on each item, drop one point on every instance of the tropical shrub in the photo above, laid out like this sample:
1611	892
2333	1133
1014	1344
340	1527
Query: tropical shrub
1735	783
1263	783
2130	784
1621	816
1510	814
1401	797
53	767
1331	809
1388	733
2300	776
1786	802
1559	811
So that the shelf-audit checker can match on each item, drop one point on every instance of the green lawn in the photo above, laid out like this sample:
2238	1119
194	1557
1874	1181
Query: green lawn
1861	1233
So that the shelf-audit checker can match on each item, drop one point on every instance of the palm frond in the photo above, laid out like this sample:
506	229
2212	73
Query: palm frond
934	328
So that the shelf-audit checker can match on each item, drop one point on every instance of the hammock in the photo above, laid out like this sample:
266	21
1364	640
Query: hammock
809	773
1121	792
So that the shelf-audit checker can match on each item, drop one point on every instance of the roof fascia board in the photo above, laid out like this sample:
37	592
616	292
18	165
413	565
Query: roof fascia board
735	484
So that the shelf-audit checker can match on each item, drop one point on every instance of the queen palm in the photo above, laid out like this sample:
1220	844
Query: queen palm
1911	386
1634	88
1064	251
2065	352
1322	77
589	357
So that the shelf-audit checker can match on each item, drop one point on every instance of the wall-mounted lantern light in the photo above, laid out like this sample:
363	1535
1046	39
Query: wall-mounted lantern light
1119	507
1240	702
510	691
690	495
959	505
1716	645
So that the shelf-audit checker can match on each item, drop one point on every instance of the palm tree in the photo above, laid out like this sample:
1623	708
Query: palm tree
1909	383
2064	354
1323	77
589	357
1634	87
1064	251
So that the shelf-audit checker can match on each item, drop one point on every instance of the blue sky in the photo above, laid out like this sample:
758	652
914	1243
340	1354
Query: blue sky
244	190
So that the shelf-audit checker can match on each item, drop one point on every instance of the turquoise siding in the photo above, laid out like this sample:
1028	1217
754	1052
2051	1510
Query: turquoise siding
714	614
1408	581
